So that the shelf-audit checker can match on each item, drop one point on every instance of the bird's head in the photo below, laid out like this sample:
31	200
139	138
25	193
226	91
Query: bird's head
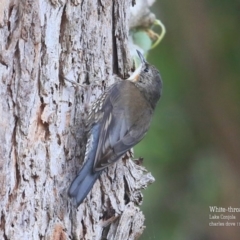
147	78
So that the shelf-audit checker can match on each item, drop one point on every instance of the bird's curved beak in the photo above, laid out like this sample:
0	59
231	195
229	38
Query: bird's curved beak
143	60
135	75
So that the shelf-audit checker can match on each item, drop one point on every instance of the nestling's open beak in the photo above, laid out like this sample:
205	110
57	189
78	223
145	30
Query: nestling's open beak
135	75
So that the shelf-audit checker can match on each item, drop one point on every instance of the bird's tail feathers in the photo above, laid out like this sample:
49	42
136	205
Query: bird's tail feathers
83	183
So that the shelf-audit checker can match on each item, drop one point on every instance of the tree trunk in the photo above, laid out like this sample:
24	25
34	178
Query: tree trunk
42	118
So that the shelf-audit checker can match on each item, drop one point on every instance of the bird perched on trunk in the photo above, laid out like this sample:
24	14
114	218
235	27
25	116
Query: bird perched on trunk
118	120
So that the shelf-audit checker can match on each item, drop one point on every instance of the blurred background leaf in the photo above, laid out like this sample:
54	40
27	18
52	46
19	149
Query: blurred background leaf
193	146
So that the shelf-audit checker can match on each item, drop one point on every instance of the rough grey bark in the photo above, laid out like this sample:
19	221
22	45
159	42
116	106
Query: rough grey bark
42	119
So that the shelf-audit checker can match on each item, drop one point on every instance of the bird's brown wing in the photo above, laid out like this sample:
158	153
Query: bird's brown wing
121	126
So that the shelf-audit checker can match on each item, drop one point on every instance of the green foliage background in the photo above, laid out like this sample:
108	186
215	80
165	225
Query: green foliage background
193	146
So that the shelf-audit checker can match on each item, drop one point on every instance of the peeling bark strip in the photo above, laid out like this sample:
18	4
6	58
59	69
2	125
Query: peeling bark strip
42	120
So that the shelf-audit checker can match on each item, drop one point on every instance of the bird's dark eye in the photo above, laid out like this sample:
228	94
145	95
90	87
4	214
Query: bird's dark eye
146	70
